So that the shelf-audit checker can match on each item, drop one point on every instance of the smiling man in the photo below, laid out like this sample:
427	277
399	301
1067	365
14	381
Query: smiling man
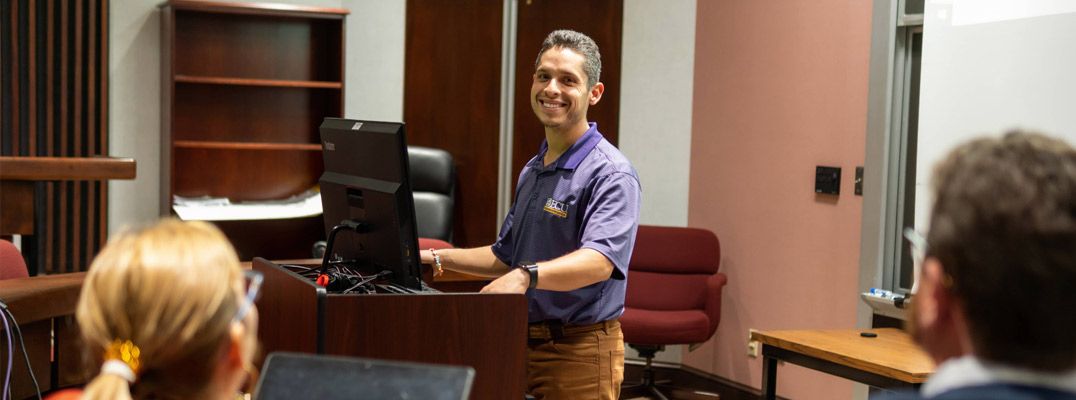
568	237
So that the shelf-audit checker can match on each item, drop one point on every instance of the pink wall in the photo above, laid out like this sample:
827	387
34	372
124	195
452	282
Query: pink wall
780	87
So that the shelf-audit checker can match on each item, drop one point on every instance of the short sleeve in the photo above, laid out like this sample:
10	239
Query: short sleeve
612	218
504	247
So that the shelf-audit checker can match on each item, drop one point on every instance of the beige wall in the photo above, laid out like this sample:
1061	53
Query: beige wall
657	79
780	87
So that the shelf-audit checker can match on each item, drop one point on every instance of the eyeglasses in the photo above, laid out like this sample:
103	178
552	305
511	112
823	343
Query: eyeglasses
917	245
253	282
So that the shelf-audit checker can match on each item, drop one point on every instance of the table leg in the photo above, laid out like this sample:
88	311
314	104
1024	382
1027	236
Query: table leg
769	378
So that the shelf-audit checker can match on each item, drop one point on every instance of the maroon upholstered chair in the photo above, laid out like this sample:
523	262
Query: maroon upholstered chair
12	265
674	293
432	243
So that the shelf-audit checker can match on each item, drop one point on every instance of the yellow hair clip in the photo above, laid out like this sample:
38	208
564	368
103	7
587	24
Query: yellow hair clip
125	351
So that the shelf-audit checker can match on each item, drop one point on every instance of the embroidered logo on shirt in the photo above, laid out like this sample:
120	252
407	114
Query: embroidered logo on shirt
556	208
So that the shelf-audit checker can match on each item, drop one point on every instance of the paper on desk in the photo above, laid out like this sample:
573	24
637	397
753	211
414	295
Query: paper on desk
207	208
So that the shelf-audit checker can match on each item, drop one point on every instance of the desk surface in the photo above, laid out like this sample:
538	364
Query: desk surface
42	297
449	276
892	354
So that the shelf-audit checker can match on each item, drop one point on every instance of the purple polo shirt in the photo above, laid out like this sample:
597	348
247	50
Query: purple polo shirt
589	198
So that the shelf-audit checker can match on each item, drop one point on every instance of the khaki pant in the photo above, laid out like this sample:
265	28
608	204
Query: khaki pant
586	363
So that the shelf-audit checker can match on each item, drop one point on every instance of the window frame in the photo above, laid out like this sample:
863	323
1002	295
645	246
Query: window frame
890	167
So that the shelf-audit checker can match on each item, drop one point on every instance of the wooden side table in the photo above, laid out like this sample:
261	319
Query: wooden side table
889	360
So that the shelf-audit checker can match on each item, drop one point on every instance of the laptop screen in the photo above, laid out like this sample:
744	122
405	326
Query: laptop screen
306	376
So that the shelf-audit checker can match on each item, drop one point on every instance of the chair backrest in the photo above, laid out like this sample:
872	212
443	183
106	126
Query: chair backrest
12	265
433	181
308	376
671	257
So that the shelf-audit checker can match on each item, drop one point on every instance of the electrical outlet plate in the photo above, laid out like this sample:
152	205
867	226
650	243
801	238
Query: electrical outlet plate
754	347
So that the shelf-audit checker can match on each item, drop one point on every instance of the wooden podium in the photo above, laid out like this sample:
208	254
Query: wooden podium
487	332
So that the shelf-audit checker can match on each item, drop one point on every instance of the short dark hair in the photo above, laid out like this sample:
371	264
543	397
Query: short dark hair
1003	227
580	43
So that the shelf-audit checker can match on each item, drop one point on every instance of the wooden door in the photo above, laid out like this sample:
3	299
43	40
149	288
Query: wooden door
602	20
452	80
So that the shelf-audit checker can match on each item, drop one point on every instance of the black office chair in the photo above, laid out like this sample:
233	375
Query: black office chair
433	182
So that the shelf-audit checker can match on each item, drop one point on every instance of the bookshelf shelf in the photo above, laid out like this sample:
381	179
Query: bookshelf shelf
196	144
219	80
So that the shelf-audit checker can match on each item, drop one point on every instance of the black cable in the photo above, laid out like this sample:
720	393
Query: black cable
345	224
22	344
303	268
367	280
26	356
362	282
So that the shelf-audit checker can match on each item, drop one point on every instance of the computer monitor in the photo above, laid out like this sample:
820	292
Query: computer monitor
308	376
366	181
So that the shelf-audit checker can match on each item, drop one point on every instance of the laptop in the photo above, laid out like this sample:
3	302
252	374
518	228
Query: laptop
307	376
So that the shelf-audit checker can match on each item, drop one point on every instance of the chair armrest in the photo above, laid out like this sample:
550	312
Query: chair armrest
428	243
714	284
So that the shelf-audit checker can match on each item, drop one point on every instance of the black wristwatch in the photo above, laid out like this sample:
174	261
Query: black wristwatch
532	269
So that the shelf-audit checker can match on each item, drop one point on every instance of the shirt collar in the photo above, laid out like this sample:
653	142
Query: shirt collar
970	371
574	156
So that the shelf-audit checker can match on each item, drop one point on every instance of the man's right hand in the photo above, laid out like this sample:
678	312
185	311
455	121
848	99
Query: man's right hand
515	281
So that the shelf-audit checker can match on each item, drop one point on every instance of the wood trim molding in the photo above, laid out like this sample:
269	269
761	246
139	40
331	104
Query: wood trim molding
257	8
66	168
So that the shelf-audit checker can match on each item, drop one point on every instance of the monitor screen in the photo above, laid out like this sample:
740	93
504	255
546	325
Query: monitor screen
366	181
308	376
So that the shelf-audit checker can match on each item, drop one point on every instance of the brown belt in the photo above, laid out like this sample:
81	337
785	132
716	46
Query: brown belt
541	332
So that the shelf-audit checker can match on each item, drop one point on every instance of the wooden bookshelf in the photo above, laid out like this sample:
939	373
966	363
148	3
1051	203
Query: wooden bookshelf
244	88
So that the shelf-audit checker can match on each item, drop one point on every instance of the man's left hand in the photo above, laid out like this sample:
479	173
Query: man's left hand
515	281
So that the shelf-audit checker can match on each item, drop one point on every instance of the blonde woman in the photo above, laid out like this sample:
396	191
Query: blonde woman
168	312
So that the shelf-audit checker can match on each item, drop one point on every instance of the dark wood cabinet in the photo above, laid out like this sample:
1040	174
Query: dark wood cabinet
244	87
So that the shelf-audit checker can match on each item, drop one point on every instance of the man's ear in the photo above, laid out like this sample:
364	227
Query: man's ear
596	93
932	299
938	316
